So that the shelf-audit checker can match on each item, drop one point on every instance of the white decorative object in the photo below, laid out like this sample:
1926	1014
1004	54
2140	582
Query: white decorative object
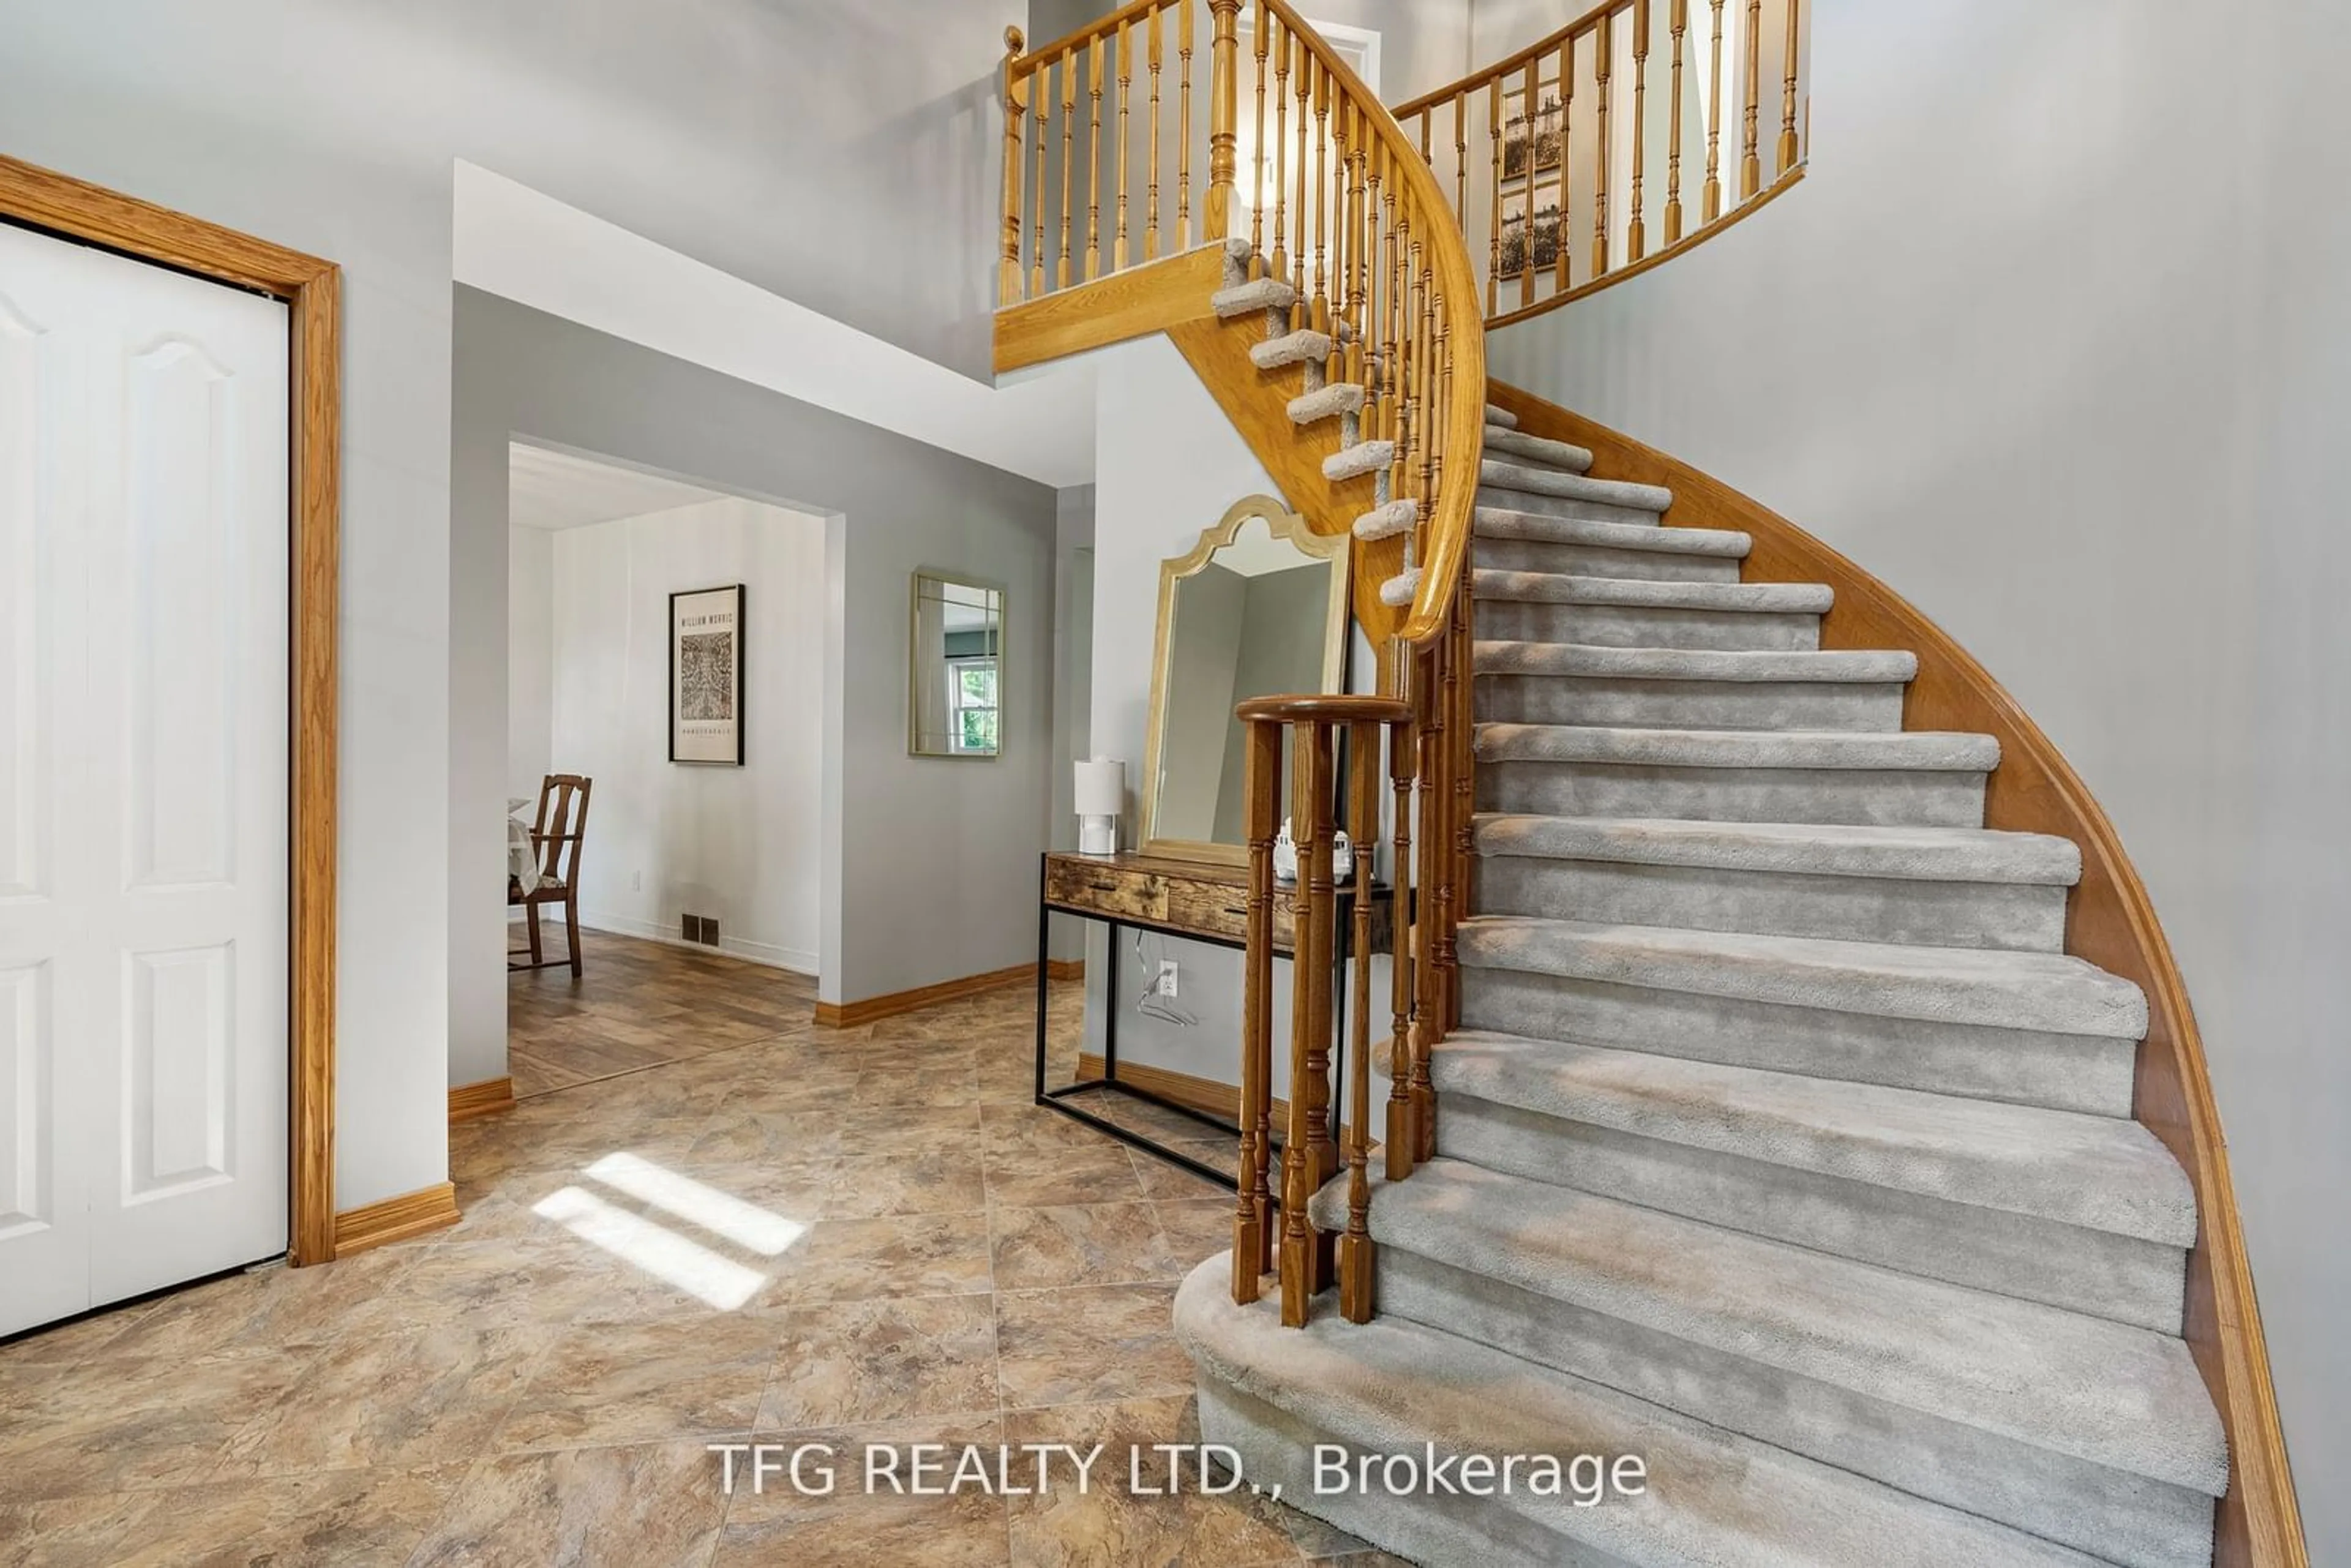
1100	793
1285	857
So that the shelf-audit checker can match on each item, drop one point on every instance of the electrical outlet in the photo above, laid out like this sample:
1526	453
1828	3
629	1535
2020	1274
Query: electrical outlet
1165	984
636	882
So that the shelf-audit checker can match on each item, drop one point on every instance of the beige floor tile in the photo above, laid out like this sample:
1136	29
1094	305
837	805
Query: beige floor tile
1094	1244
348	1518
650	1506
858	1361
1110	1523
428	1395
604	1383
1103	1175
1088	1343
897	1256
142	1432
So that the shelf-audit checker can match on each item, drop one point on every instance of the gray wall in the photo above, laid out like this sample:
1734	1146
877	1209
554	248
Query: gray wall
935	859
1993	350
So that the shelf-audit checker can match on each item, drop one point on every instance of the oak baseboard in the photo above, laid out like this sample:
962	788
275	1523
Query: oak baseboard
849	1015
1065	969
417	1213
1202	1094
488	1098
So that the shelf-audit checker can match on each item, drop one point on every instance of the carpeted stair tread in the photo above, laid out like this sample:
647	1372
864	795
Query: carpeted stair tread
1542	528
1297	348
1326	403
1502	475
1261	294
2051	993
2101	1173
1505	657
1536	450
1924	854
2111	1394
1387	520
1363	458
1926	749
1497	415
1714	1499
1645	593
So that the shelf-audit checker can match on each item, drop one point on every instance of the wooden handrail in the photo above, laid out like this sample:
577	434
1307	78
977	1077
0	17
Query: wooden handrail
1538	137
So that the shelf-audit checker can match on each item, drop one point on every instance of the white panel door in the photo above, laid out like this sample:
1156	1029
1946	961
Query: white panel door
143	794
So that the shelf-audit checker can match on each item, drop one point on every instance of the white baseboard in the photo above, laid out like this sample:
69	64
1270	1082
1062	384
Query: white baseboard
792	958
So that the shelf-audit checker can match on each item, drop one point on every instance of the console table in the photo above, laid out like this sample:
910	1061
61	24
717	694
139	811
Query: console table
1200	901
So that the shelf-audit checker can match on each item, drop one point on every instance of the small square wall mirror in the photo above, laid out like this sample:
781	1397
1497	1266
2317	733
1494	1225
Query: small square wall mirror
956	702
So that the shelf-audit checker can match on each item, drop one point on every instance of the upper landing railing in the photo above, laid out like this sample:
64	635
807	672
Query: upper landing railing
1550	156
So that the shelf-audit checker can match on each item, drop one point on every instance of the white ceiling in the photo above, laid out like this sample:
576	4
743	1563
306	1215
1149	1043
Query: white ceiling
555	490
1255	552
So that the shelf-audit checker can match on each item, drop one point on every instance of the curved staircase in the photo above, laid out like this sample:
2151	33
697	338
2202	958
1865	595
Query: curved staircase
1780	1143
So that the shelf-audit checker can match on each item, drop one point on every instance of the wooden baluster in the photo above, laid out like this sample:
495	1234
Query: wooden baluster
1635	231
1318	881
1301	1169
1151	200
1531	90
1069	150
1494	242
1464	804
1264	35
1712	208
1363	829
1460	154
1305	86
1280	259
1184	124
1125	80
1043	94
1679	21
1565	246
1224	122
1401	1142
1261	774
1430	728
1322	315
1015	110
1362	195
1600	159
1788	93
1093	159
1750	169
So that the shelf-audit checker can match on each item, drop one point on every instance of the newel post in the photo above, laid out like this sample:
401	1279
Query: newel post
1224	115
1016	107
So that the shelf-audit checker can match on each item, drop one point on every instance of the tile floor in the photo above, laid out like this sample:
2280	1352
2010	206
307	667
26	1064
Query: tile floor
851	1236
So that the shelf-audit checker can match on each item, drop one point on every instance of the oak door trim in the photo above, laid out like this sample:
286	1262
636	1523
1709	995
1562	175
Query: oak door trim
72	209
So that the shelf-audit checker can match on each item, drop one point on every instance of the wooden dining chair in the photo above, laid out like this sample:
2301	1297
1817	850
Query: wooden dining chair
556	836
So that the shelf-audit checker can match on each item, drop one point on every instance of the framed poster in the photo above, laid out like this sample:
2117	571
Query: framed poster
706	675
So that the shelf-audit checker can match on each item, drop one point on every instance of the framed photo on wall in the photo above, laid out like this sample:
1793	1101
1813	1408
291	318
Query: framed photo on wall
706	675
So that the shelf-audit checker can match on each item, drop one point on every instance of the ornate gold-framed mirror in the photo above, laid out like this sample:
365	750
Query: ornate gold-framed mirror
1257	608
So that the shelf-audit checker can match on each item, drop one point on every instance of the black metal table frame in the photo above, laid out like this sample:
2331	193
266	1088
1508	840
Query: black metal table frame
1058	1099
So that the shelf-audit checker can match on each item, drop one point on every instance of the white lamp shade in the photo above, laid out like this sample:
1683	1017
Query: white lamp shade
1101	786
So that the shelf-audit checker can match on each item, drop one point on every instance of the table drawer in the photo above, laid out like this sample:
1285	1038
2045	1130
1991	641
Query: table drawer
1108	891
1209	908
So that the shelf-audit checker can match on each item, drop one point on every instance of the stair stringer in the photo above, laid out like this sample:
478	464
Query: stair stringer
1257	402
2110	922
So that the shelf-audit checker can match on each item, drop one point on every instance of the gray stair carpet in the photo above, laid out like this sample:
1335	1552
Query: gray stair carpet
1781	1141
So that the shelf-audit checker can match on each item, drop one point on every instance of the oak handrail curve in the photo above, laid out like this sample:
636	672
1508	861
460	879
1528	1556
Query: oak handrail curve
1547	45
1445	546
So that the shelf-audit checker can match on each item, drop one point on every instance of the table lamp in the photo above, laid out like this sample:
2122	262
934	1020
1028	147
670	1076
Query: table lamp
1101	792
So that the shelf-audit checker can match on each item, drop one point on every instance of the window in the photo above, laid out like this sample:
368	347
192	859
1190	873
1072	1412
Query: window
971	705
